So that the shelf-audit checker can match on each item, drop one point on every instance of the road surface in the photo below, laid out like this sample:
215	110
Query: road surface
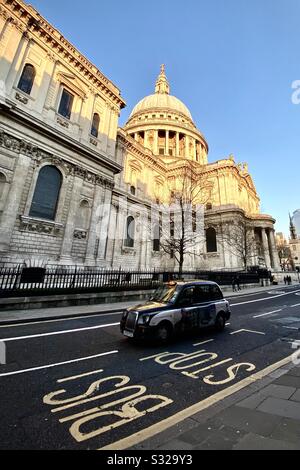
79	384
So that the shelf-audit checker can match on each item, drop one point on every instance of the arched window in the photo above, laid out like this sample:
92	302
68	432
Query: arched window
95	125
211	240
83	218
2	184
27	79
130	231
45	198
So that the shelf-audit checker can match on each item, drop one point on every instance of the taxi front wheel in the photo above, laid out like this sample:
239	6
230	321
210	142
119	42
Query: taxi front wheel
220	322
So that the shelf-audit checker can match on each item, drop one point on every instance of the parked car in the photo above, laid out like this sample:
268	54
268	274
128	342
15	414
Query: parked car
177	307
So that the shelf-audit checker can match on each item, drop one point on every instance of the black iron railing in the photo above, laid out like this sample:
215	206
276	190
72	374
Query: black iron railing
23	281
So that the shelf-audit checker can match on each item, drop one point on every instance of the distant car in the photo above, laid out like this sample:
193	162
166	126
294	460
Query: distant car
177	307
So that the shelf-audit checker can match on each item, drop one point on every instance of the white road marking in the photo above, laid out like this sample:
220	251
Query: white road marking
15	325
291	327
68	379
154	355
265	298
203	342
296	305
164	424
269	313
57	364
247	331
75	330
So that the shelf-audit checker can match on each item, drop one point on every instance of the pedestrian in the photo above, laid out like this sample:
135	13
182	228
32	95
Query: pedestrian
285	281
238	282
233	282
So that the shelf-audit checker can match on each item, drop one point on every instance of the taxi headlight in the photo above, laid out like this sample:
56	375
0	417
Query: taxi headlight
143	320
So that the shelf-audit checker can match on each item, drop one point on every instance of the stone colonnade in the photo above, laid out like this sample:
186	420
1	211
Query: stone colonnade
173	143
269	250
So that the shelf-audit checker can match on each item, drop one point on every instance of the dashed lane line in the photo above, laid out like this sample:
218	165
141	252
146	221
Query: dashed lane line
6	374
296	305
74	377
203	342
268	313
74	330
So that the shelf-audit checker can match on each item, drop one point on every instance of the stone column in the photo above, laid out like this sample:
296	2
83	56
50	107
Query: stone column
104	225
92	237
276	262
155	149
167	143
186	150
12	204
146	141
266	247
66	248
177	144
194	150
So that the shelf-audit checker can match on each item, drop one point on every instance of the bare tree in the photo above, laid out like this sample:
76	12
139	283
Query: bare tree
240	241
189	190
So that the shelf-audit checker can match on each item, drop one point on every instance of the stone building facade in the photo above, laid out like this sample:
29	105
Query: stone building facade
72	181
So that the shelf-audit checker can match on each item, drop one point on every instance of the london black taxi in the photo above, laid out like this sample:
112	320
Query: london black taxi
177	307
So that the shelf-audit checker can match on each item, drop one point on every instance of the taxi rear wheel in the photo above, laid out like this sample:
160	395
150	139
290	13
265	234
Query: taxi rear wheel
220	322
163	332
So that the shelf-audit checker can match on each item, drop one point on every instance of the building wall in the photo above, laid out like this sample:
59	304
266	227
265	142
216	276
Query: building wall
34	134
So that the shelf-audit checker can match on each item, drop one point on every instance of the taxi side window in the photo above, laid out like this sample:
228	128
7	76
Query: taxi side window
201	294
186	297
215	293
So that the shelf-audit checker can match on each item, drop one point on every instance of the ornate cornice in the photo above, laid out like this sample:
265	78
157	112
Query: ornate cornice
40	156
26	19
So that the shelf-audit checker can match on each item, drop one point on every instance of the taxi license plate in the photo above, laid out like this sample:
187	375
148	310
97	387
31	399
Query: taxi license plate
128	333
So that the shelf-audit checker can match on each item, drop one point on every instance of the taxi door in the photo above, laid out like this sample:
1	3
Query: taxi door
189	312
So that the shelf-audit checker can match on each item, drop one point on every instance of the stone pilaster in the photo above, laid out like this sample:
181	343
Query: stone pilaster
10	212
94	222
67	243
104	225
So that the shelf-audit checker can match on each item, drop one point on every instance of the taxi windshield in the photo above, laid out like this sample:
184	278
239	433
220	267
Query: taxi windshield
164	294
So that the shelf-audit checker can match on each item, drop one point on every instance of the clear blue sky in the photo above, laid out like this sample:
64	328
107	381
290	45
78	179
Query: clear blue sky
232	62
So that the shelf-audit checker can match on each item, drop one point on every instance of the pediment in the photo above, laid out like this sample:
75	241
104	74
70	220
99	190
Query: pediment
72	82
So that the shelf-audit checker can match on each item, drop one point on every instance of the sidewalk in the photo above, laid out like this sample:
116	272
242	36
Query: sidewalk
56	313
263	416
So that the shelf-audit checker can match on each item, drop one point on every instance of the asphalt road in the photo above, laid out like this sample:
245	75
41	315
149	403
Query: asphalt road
79	384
